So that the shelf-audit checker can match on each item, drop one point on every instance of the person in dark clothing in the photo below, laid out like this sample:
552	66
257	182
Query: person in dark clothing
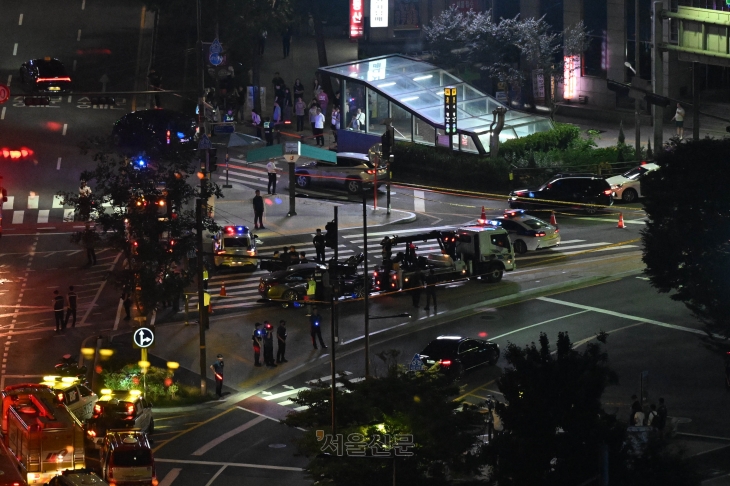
286	41
258	211
88	238
269	345
293	256
217	368
417	281
285	257
71	309
303	257
278	83
431	281
319	242
257	340
315	328
661	419
155	81
281	335
58	310
286	105
127	304
635	408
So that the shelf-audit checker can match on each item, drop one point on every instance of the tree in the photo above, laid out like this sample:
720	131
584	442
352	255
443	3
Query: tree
687	234
142	207
449	35
422	405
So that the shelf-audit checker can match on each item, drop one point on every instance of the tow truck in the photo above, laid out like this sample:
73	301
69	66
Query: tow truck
41	432
468	252
235	246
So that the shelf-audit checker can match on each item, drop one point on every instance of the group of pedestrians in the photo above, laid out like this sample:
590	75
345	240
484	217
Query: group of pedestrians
263	337
427	283
656	418
67	304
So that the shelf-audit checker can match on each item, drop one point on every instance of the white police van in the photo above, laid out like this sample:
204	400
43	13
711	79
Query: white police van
235	247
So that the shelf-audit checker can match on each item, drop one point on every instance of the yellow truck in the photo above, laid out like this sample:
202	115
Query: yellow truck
41	432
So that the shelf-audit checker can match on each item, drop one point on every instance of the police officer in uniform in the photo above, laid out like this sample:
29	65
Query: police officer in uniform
257	339
269	131
431	281
58	311
217	368
281	335
71	310
319	245
315	329
269	345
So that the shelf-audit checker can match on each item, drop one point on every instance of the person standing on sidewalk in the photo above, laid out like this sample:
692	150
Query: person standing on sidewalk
678	118
272	170
71	309
319	127
58	311
286	41
335	121
281	335
299	108
319	243
127	304
277	113
287	105
88	238
431	281
269	345
312	114
217	368
417	287
315	323
256	119
323	101
258	210
298	89
257	340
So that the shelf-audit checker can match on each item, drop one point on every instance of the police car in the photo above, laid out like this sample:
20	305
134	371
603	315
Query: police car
235	246
70	391
527	232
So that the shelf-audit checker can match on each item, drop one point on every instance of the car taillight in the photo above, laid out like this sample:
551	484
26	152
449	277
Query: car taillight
557	230
445	362
97	408
608	192
220	252
130	409
92	433
371	171
539	233
46	80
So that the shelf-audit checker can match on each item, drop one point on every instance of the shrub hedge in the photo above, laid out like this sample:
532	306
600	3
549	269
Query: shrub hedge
559	138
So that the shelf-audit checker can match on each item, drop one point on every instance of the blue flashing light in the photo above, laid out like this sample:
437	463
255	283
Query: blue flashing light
180	135
240	229
316	322
531	194
140	163
492	222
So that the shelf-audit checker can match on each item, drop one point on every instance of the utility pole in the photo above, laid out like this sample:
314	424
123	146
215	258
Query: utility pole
333	285
658	77
637	65
366	285
199	203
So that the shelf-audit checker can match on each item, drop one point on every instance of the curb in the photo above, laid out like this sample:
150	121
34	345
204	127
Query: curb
423	324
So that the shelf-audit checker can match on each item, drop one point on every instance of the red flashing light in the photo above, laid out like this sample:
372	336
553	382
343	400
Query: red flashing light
16	154
46	80
167	137
608	192
60	397
643	162
445	362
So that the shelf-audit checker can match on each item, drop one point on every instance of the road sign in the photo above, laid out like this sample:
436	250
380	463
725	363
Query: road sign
214	53
204	143
144	337
224	129
4	93
416	364
291	157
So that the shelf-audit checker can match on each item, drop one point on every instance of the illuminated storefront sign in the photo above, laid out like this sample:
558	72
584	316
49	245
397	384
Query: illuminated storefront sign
378	13
356	18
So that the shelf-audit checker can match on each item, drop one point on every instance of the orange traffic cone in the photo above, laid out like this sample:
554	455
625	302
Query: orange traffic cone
483	217
223	290
553	221
621	221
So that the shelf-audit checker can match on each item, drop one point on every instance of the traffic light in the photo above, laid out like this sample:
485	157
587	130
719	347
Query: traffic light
212	159
618	88
37	100
655	99
450	111
330	238
103	101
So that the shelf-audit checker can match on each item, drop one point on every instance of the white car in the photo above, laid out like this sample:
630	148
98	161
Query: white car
627	186
350	171
527	232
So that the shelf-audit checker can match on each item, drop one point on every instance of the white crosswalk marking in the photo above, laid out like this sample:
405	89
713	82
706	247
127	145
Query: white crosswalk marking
285	398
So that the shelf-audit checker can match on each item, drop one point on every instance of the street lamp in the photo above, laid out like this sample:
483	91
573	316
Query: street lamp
628	65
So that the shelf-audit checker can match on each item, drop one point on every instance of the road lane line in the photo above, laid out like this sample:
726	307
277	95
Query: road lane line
58	164
228	435
538	324
119	315
78	36
74	68
20	20
193	428
65	127
623	316
229	464
2	114
15	49
285	394
215	476
419	202
171	475
83	6
10	78
98	293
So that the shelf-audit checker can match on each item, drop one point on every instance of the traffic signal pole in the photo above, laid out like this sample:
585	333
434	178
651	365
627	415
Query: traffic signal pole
366	285
333	284
202	309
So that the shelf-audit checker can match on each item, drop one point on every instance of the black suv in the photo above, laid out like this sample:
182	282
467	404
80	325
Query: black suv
119	409
585	191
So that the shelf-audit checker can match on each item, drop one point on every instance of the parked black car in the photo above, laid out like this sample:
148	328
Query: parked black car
584	191
456	354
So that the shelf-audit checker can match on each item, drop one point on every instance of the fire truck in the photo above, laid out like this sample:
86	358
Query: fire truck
469	252
42	434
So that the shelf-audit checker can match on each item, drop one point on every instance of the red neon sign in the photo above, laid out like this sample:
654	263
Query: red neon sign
356	19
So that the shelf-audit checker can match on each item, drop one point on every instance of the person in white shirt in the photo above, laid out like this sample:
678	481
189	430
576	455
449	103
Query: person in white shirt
335	121
272	170
679	119
256	118
319	127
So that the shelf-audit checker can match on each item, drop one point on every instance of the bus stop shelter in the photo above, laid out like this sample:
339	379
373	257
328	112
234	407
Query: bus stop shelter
411	93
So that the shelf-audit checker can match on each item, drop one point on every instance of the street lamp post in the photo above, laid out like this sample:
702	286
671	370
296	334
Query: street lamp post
637	62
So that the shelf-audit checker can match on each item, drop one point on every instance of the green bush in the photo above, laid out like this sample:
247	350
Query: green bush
559	138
